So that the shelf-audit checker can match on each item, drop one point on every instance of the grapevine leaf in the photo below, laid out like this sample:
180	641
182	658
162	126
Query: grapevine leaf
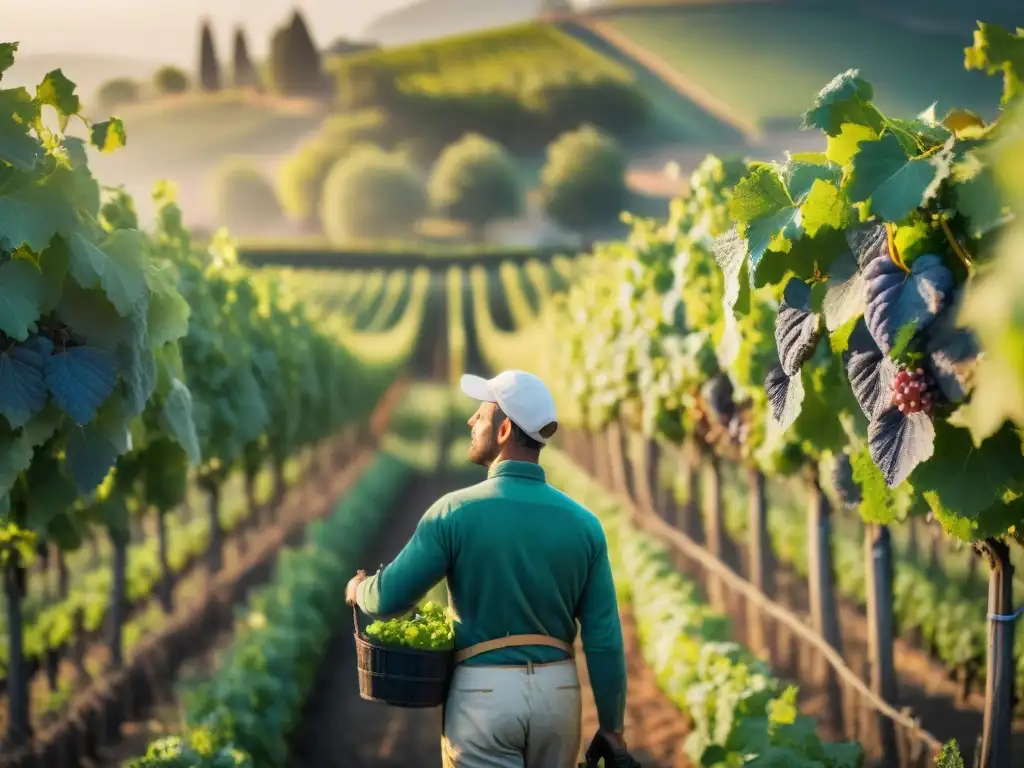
176	419
66	532
896	184
116	266
825	206
952	353
115	516
899	443
109	135
762	205
845	295
15	457
895	299
978	198
998	50
826	391
963	481
868	242
878	505
843	753
168	318
53	263
844	482
846	99
17	146
843	146
81	184
50	493
93	317
80	379
138	364
22	388
730	252
913	239
58	92
32	213
785	396
958	120
803	258
839	339
802	176
997	395
797	329
22	290
43	425
7	51
924	129
90	454
870	372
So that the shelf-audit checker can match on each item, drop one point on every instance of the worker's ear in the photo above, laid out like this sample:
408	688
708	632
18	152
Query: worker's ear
504	430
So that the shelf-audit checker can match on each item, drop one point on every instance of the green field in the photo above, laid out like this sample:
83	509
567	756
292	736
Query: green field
767	60
507	58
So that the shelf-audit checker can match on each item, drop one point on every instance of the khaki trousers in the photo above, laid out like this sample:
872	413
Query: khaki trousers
513	717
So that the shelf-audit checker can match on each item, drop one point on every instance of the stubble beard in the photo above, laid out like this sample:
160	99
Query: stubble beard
483	452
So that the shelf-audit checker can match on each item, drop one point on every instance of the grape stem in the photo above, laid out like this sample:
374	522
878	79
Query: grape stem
894	254
958	249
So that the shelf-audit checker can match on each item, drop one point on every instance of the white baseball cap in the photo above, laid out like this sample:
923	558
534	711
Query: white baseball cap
522	397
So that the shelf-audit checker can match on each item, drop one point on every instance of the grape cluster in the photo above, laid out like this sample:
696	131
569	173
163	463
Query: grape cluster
428	628
913	391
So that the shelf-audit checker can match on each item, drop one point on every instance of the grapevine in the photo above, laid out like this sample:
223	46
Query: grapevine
846	312
128	357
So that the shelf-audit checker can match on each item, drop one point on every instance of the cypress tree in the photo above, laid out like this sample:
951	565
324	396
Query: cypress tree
306	74
244	72
209	67
280	50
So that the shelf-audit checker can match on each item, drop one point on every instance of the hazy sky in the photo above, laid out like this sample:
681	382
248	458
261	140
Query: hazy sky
167	30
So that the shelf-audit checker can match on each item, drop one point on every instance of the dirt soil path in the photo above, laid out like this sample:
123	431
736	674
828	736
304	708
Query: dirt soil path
339	729
655	727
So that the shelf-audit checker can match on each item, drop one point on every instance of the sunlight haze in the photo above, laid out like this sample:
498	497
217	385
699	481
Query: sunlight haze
166	31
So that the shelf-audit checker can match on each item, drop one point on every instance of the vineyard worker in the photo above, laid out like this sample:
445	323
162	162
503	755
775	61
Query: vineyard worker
521	558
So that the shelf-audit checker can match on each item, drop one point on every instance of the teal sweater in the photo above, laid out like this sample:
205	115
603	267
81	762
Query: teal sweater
520	557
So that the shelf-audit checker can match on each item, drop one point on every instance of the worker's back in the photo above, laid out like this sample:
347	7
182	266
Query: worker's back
521	554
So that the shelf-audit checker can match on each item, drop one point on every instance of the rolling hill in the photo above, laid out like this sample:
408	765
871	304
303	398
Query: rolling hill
764	60
425	19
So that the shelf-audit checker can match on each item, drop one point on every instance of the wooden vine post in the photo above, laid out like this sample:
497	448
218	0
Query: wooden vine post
689	512
881	630
215	550
165	589
997	730
644	461
617	458
668	503
118	595
602	462
19	722
714	527
821	583
760	564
